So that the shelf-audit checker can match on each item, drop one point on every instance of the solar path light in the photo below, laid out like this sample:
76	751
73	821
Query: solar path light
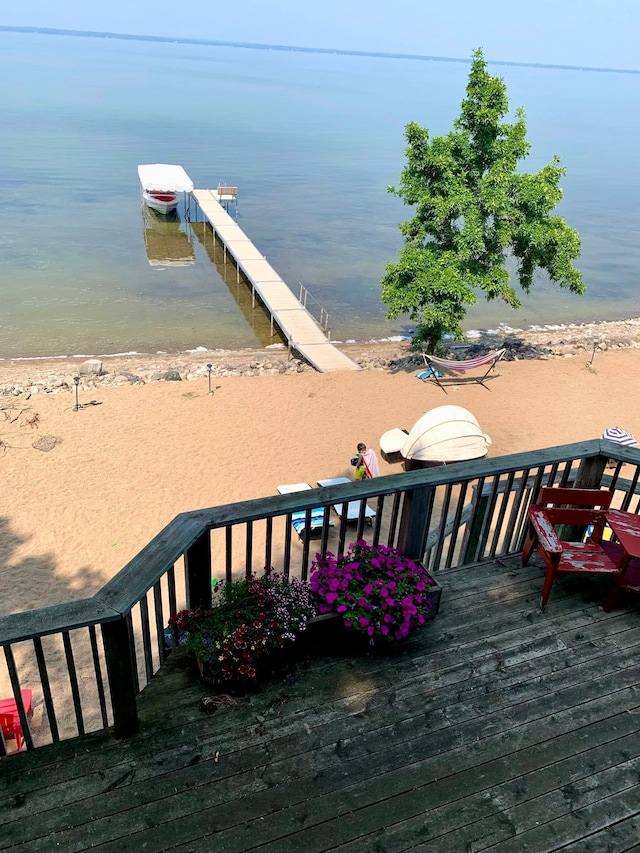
76	380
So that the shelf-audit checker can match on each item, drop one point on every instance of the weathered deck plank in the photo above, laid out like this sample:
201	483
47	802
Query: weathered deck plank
499	727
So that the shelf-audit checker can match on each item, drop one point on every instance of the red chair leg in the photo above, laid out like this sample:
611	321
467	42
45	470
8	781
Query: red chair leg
10	725
546	587
615	587
529	545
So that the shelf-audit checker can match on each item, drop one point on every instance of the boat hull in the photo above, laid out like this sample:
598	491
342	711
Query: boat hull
162	202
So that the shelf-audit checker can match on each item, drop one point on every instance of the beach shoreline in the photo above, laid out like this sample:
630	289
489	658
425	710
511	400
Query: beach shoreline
28	376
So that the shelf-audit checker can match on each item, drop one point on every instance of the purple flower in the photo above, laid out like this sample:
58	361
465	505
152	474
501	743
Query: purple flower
374	587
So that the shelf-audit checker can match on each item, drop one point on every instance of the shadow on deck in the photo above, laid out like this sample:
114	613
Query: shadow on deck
499	727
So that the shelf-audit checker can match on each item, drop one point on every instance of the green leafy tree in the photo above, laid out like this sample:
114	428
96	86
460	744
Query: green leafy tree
473	212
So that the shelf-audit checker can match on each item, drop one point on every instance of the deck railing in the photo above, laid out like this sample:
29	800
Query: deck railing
85	679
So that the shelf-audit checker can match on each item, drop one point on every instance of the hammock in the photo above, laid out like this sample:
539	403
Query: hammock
435	366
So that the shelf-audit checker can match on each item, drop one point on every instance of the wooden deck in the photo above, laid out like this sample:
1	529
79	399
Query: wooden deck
301	330
498	728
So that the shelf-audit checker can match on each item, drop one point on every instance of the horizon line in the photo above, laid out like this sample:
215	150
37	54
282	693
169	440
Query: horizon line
298	49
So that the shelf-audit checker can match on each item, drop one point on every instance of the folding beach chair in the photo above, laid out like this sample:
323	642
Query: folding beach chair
353	507
299	518
436	367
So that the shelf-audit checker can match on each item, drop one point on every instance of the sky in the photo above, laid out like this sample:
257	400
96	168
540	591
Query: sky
566	32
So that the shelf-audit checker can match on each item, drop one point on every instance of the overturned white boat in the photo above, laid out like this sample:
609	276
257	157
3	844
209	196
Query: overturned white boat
442	435
161	185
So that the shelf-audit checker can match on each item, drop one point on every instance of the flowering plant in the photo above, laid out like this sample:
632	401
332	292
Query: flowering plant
250	620
376	590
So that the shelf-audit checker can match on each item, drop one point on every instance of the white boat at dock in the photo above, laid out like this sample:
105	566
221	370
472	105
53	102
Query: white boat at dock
160	201
161	184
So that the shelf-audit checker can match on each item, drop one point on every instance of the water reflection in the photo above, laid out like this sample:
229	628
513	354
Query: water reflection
166	241
252	309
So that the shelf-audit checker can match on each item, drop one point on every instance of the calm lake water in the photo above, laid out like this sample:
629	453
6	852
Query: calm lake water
312	141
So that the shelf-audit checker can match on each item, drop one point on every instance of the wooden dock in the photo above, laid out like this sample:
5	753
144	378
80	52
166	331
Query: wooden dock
290	315
498	728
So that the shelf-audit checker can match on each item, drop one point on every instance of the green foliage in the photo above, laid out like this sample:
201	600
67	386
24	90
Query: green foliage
473	211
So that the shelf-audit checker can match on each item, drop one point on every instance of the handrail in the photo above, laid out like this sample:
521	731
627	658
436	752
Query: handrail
139	575
69	616
174	540
480	512
324	314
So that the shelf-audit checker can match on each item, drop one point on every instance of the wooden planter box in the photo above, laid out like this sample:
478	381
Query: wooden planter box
279	663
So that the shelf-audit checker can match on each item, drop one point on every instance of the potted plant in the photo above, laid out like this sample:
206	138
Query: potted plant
239	641
376	591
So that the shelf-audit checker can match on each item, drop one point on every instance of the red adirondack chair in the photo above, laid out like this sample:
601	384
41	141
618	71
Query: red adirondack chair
575	507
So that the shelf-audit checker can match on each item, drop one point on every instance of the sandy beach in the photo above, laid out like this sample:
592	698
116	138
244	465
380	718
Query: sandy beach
126	464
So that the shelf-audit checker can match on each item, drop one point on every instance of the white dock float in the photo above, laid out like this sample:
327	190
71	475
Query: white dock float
299	327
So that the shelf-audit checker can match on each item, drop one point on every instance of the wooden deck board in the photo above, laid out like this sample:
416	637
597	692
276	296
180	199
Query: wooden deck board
499	727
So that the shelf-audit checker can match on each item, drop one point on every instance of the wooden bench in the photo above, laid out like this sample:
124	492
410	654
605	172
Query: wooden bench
229	192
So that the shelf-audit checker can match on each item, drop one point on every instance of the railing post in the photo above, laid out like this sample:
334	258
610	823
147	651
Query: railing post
120	657
416	512
590	473
197	562
589	476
